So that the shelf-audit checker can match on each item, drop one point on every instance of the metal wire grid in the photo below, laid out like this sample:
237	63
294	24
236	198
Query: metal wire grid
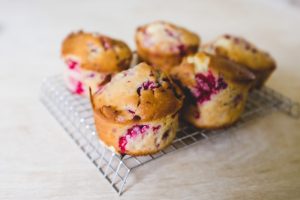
74	113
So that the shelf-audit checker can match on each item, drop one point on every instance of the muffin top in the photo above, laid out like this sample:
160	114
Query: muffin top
138	94
165	38
241	51
204	63
205	75
96	52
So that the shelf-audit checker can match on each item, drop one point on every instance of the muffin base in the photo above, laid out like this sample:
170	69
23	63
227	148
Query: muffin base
79	80
222	110
164	62
136	138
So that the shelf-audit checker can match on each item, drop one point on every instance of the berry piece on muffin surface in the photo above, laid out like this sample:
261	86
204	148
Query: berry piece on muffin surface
164	44
136	113
92	59
246	54
216	90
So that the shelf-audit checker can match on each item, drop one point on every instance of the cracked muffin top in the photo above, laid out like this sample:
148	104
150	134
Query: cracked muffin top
96	52
165	38
141	93
241	51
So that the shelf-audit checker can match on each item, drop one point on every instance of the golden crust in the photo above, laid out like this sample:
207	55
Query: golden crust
164	44
97	52
245	53
138	94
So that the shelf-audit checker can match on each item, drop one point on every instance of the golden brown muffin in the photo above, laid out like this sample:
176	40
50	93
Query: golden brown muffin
245	53
92	59
216	90
163	44
136	113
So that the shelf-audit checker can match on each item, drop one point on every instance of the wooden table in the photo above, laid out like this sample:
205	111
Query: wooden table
39	161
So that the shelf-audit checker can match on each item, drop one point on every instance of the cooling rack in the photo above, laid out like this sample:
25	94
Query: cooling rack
74	113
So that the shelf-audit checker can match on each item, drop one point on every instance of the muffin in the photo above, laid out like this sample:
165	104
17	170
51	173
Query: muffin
163	44
245	53
91	60
136	113
216	90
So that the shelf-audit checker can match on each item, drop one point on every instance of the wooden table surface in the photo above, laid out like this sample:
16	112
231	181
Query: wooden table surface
39	161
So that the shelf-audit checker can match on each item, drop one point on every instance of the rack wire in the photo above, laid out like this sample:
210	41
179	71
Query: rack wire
74	113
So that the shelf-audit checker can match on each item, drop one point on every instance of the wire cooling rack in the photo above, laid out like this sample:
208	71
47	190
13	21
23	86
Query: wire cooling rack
74	113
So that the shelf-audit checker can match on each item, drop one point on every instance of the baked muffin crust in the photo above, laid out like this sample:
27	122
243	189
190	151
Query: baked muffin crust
164	44
97	52
245	53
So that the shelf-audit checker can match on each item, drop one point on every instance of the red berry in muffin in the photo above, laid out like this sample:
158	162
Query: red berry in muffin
216	89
